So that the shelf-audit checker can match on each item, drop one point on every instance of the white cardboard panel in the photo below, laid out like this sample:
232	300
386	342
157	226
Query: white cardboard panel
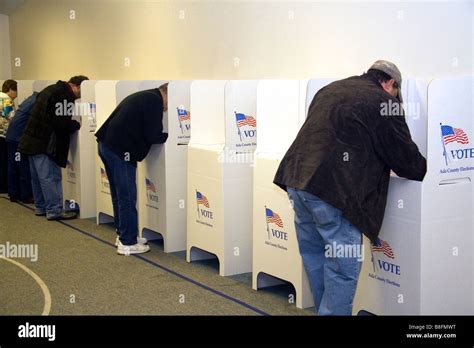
207	104
105	103
79	174
281	112
241	113
25	89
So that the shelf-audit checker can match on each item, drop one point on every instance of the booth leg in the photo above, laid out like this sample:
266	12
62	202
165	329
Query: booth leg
102	218
150	234
263	280
196	254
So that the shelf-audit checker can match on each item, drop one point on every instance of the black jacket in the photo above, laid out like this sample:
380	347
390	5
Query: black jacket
345	150
134	125
44	120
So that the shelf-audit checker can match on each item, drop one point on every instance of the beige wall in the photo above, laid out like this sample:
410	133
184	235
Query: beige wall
336	38
5	64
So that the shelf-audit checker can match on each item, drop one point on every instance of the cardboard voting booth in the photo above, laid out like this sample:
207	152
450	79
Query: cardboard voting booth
162	175
276	256
106	101
220	158
79	175
423	263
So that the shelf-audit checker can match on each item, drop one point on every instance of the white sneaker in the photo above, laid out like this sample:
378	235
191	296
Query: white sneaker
139	240
132	249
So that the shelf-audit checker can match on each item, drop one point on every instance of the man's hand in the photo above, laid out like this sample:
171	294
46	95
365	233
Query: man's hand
74	126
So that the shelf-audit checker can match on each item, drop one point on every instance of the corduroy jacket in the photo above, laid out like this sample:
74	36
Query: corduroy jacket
346	148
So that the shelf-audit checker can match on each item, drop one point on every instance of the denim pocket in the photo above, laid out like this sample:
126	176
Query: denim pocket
323	213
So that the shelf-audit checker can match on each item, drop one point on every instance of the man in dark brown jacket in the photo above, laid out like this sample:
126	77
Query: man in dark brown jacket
337	172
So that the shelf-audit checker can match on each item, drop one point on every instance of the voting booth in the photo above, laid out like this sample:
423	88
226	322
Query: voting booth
276	256
79	175
106	101
162	174
220	158
424	263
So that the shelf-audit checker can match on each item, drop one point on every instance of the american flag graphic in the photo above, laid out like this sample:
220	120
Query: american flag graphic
201	199
183	114
273	217
103	174
244	120
384	247
451	134
149	185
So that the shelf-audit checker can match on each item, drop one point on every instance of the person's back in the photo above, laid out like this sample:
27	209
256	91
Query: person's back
347	163
134	125
18	123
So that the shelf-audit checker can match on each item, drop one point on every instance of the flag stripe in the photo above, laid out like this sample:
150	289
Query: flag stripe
385	248
274	218
457	135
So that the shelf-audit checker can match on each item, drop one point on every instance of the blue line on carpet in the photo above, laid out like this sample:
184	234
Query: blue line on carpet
153	263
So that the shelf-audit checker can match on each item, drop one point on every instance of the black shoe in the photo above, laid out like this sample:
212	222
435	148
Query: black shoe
13	200
40	214
64	216
28	201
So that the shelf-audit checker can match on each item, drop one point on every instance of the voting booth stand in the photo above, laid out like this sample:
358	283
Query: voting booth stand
79	174
161	175
424	262
106	101
220	158
276	256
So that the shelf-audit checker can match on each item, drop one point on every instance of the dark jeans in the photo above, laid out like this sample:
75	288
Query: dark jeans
19	178
3	165
46	185
123	189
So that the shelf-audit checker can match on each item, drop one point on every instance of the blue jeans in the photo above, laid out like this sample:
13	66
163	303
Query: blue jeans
320	228
46	185
123	189
19	178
